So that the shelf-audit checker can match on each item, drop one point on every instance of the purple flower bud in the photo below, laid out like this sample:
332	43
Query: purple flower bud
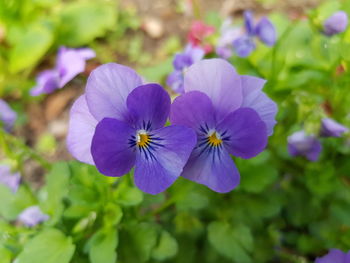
244	46
7	116
249	22
266	32
334	256
9	179
70	62
331	128
299	143
32	216
336	23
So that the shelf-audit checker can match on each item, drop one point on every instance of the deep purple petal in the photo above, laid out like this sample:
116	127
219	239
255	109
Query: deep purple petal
334	256
32	216
219	80
331	128
176	81
336	23
81	129
255	98
244	46
110	148
8	178
249	22
193	109
173	147
299	143
245	133
46	82
7	116
107	89
266	31
215	169
149	106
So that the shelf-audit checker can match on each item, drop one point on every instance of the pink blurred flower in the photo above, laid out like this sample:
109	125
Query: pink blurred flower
198	34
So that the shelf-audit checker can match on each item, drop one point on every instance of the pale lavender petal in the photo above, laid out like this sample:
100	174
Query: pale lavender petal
149	106
334	256
215	169
176	81
46	82
111	147
158	166
107	89
244	46
255	98
32	216
224	51
336	23
331	128
219	80
266	31
81	130
86	53
8	178
7	116
243	133
193	109
299	143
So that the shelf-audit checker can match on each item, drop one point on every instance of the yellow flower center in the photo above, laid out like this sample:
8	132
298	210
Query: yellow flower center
214	140
143	139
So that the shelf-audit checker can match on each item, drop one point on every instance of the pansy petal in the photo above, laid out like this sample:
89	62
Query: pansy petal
214	168
111	147
243	46
266	31
192	109
86	53
158	166
219	80
81	129
107	89
46	82
331	128
249	22
149	106
255	98
176	82
244	132
334	256
7	116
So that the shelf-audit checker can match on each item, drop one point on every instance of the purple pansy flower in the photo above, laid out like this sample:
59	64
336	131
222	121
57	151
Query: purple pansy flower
70	62
7	116
331	128
31	216
118	124
230	114
8	178
264	30
336	23
181	62
335	256
299	143
229	33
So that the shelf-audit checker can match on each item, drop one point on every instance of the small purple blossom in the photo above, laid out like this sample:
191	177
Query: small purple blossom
336	23
31	216
299	143
331	128
229	33
7	116
181	62
118	124
70	62
230	114
8	178
335	256
264	30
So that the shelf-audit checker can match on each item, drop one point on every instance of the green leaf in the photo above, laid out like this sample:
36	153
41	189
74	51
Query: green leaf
166	248
50	246
5	255
82	22
102	246
128	196
30	47
112	214
234	243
